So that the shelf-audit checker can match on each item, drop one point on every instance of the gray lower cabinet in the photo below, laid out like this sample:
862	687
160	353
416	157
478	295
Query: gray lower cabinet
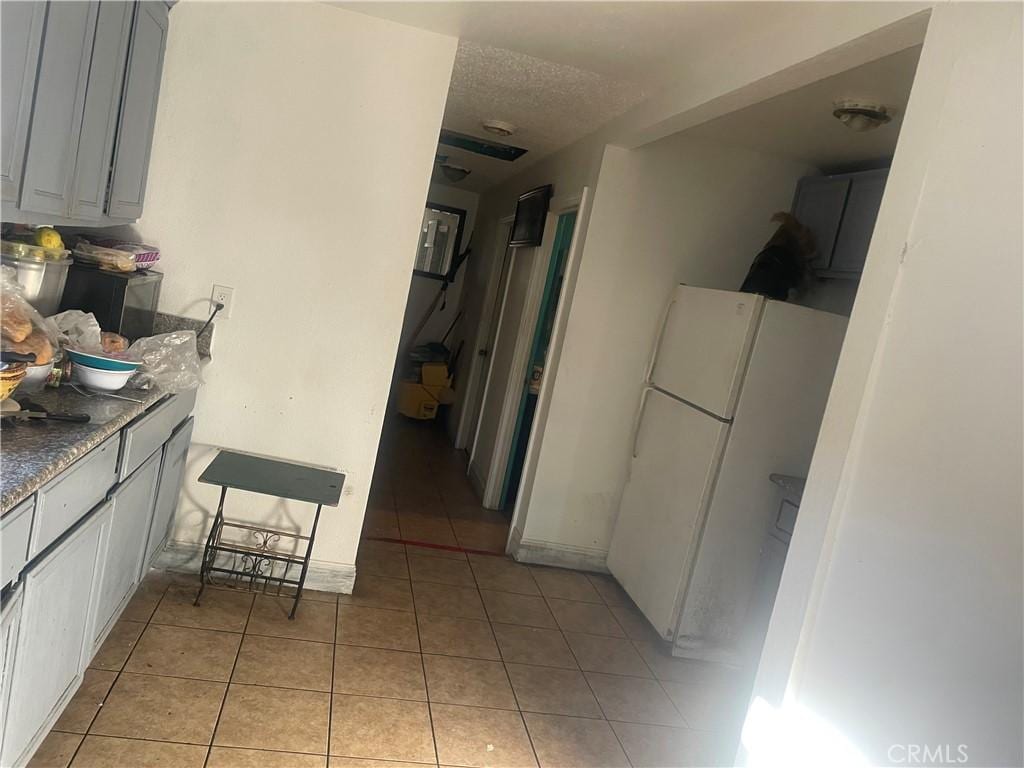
131	512
21	28
138	111
10	620
172	474
57	622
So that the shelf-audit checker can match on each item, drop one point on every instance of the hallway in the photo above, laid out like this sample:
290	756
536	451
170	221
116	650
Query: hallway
421	495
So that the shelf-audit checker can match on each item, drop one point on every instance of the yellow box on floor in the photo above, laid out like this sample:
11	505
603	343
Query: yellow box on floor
420	399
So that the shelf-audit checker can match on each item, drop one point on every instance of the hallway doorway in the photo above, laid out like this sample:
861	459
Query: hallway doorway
421	496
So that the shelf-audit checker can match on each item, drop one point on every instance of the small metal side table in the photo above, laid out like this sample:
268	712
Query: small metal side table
253	555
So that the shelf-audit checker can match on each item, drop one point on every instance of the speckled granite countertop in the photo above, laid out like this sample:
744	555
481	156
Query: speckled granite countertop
34	452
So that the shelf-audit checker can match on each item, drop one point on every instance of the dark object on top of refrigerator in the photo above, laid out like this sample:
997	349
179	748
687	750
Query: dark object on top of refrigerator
123	302
783	265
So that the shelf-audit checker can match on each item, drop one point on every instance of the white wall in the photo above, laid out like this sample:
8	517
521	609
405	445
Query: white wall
422	290
679	210
898	622
293	150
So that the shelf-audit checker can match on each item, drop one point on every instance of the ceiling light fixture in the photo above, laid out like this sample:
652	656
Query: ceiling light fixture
860	116
454	173
498	127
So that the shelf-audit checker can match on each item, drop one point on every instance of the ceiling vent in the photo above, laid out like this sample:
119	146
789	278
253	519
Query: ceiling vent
483	147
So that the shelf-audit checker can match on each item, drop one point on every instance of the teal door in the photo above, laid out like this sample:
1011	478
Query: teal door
538	358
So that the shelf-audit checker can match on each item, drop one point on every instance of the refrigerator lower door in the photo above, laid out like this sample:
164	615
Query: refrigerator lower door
704	345
676	456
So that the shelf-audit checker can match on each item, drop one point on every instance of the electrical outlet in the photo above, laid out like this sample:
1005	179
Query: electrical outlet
224	295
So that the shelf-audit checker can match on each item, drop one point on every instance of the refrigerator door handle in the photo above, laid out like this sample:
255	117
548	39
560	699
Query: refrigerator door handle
657	344
640	422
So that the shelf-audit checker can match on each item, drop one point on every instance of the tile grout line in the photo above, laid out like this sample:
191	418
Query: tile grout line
124	664
227	686
423	667
504	668
330	698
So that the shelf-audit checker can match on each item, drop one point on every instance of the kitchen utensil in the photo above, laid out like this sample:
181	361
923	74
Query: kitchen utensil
34	411
10	378
98	378
82	390
17	357
101	362
42	272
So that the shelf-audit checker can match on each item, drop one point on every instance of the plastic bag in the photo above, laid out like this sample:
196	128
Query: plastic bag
79	330
170	362
23	328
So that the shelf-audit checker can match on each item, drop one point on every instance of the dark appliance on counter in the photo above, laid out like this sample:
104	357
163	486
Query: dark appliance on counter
123	302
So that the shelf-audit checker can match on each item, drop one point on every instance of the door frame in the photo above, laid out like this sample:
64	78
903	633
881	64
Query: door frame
480	369
509	409
578	203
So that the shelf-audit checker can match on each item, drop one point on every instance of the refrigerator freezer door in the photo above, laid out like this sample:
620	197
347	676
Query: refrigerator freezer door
774	431
704	347
662	509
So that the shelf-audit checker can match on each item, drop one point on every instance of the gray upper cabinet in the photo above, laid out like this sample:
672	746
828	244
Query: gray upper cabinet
80	88
59	102
96	141
138	111
819	205
841	211
858	222
21	27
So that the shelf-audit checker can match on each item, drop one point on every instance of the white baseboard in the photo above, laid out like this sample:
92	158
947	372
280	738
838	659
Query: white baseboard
323	576
559	555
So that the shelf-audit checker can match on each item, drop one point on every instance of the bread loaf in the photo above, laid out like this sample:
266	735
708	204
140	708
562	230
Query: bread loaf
113	342
15	323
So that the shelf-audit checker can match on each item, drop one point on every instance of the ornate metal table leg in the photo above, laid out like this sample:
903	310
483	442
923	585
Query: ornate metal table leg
208	551
305	562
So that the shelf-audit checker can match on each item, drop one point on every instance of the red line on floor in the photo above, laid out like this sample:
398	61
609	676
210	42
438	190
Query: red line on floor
428	545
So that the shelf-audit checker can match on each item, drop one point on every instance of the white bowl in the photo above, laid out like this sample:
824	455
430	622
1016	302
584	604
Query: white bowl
97	378
35	376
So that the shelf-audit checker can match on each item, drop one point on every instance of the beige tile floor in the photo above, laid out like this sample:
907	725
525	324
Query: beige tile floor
440	657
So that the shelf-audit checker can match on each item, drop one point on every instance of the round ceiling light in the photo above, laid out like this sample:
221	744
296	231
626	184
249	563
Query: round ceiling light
860	116
454	173
498	127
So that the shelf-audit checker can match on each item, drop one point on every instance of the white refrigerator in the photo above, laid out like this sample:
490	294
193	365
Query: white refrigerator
735	392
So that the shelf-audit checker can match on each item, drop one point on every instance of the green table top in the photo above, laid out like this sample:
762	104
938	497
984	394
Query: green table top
274	477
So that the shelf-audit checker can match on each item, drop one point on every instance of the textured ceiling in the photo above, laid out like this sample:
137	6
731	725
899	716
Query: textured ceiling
552	105
558	70
800	124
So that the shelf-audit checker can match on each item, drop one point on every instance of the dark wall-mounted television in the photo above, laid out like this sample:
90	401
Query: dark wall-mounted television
531	213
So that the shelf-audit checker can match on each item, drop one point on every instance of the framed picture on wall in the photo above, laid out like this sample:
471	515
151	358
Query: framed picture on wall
440	241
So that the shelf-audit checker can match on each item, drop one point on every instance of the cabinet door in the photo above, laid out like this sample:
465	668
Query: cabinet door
132	513
10	619
102	104
59	102
172	473
55	635
858	223
819	206
21	27
138	111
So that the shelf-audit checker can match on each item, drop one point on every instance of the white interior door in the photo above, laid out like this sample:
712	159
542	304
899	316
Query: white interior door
505	376
676	455
704	346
